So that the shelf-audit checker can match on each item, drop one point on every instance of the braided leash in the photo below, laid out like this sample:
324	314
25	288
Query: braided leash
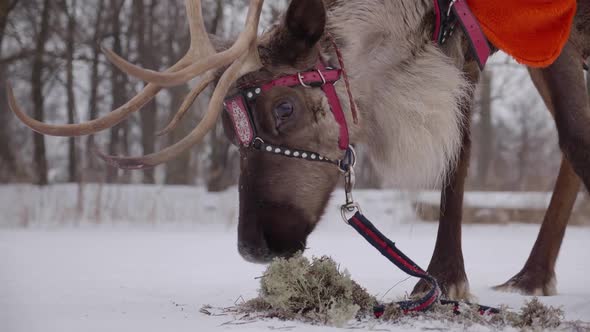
388	249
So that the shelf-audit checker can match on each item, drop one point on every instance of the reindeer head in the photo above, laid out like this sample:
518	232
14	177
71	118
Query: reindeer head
413	90
281	199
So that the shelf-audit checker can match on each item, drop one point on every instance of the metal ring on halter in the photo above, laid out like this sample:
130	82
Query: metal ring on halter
257	142
323	78
349	160
349	210
300	77
451	7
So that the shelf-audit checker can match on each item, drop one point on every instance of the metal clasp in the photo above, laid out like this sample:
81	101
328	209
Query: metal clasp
349	160
347	167
451	7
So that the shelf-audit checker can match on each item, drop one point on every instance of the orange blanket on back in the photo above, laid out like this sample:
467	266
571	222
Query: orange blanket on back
532	31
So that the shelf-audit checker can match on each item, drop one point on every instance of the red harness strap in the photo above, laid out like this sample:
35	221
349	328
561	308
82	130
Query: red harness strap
336	107
445	24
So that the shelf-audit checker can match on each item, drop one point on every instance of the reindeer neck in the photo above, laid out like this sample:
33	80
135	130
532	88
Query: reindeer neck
407	90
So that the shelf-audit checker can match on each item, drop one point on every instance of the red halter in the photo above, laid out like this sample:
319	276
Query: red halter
239	107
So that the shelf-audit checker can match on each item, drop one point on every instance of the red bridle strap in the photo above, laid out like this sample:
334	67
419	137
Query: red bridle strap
336	107
310	78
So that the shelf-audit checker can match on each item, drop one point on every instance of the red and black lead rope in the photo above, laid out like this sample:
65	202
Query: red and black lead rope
388	249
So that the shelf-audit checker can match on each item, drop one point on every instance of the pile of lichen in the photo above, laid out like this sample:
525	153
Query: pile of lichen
316	291
319	292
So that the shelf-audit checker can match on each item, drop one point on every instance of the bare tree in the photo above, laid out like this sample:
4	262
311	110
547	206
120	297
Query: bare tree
40	158
219	166
70	10
7	156
178	170
118	142
95	79
147	58
486	139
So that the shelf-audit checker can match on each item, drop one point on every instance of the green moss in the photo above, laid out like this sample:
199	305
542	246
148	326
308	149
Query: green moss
316	291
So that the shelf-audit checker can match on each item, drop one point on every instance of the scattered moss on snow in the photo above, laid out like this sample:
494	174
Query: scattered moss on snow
319	292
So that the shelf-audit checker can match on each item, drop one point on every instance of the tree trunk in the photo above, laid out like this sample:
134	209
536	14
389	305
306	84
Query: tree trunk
486	133
119	86
73	174
219	175
146	51
177	170
7	156
40	158
92	165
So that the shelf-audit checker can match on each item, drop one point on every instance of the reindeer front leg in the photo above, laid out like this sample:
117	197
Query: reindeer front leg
447	264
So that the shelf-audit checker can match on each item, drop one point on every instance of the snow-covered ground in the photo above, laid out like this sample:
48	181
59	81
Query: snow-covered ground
151	277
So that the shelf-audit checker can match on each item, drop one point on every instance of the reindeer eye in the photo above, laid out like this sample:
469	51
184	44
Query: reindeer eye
283	110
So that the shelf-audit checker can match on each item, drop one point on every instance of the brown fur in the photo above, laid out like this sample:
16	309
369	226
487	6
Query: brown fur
413	100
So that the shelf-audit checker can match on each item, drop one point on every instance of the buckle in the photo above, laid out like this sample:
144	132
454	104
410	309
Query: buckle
322	76
300	77
313	84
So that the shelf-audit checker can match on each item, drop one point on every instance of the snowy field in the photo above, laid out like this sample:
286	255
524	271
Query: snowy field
156	276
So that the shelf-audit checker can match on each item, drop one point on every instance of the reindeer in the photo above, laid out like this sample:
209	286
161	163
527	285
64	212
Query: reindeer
408	99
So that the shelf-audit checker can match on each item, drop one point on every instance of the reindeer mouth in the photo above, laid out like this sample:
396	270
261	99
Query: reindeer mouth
260	255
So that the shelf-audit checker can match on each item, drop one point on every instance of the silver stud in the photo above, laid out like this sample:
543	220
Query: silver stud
258	91
304	155
277	150
287	152
250	95
269	148
296	154
313	156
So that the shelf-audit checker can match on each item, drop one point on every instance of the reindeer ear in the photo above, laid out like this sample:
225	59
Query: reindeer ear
296	38
306	21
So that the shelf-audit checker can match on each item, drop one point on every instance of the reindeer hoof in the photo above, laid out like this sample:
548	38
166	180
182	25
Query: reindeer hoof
530	283
457	289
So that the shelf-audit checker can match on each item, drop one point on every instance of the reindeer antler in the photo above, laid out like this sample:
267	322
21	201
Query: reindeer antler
200	59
